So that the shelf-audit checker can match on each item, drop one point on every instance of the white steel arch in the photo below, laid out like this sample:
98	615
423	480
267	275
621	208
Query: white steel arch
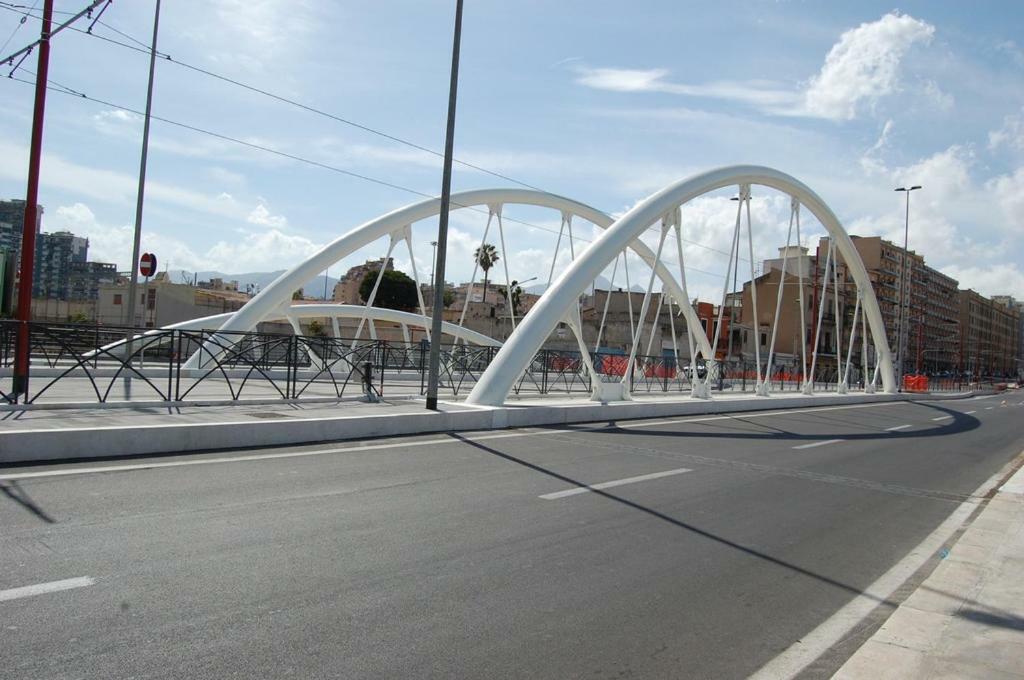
329	310
275	297
513	358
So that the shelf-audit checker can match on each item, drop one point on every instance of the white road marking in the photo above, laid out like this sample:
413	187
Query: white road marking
897	427
616	482
802	653
428	442
989	408
967	413
41	588
942	418
821	443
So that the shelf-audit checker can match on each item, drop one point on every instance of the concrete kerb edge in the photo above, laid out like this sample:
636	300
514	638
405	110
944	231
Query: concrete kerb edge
22	446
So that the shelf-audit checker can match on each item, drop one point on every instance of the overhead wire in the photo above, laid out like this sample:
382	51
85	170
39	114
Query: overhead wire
143	48
20	23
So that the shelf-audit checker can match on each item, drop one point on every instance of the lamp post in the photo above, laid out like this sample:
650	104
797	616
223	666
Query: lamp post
904	294
434	365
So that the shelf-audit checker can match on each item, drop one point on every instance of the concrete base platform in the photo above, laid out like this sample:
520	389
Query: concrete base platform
152	431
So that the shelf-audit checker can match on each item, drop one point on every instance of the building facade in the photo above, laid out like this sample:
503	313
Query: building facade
87	277
55	255
991	336
161	303
931	319
12	222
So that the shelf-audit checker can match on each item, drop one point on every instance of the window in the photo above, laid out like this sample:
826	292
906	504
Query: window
117	298
764	339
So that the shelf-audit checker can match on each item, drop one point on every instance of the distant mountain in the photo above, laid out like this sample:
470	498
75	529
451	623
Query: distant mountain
259	280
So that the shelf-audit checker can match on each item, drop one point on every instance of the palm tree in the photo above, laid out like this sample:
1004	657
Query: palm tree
486	257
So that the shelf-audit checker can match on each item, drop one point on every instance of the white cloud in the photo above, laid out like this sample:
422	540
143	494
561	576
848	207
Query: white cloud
942	100
113	243
759	93
263	250
261	215
1011	49
1010	135
863	66
1009	193
108	185
991	279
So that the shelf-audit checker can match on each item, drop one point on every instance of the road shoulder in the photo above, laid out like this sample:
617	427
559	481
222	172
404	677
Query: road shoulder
966	620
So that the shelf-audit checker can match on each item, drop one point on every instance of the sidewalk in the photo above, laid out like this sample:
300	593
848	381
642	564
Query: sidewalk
41	435
967	619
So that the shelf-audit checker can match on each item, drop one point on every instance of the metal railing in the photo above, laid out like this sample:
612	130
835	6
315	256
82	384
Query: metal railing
81	364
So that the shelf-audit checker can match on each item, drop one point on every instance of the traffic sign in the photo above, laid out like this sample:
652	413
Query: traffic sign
147	264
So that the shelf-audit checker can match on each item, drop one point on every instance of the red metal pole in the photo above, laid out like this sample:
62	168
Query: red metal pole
921	340
28	238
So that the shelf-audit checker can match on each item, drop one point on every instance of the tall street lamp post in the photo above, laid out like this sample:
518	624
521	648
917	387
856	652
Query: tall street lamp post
442	222
904	292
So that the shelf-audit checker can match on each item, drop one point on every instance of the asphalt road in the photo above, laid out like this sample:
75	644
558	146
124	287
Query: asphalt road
721	542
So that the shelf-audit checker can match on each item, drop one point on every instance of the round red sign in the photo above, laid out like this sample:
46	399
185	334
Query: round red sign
147	264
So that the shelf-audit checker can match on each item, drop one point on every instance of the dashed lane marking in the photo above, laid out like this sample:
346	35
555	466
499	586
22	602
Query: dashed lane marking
42	588
615	482
821	443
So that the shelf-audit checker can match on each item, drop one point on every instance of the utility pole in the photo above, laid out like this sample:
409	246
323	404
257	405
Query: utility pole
140	199
442	222
904	293
28	231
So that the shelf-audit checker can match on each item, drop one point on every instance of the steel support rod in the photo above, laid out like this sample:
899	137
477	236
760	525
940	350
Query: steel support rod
28	231
442	222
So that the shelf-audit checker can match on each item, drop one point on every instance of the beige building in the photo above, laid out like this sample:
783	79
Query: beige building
932	314
161	303
991	338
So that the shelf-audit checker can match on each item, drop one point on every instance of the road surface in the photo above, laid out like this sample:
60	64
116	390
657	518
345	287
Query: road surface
700	547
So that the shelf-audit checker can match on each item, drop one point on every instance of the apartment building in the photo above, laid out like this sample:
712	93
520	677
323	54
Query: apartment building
932	316
990	339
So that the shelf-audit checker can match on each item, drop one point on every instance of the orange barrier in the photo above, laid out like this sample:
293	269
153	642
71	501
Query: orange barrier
915	383
659	371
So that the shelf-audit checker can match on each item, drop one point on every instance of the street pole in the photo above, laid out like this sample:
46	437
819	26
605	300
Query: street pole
904	292
28	231
132	284
442	222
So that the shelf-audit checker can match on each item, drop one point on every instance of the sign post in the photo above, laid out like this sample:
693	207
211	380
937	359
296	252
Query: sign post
147	267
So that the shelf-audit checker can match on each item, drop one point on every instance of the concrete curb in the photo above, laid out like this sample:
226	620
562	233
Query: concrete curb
39	445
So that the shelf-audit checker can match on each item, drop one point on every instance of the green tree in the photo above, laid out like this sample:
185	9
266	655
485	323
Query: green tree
397	290
79	317
298	295
486	257
316	328
449	297
517	294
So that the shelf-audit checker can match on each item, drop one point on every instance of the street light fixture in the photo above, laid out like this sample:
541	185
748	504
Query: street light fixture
904	294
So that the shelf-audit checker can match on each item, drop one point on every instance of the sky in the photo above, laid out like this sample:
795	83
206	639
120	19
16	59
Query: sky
604	102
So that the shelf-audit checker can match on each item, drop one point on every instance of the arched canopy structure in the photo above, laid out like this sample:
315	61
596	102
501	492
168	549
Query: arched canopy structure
397	224
517	353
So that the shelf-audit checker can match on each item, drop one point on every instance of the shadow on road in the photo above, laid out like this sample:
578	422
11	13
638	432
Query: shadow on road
960	423
752	552
21	497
